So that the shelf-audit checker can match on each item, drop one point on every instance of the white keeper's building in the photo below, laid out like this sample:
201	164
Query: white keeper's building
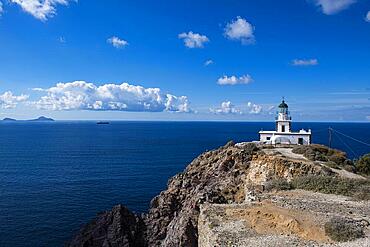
283	133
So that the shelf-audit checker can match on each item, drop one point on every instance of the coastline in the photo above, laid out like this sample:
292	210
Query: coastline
230	175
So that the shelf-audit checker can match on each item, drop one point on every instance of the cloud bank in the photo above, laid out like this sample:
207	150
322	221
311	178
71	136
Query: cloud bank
81	95
367	18
233	80
226	108
240	29
117	42
193	40
254	108
1	8
40	9
10	101
331	7
305	62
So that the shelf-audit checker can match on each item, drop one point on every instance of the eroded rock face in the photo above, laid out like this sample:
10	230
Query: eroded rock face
115	228
220	176
216	177
265	167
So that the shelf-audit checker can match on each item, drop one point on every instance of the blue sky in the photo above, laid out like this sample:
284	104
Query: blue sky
185	60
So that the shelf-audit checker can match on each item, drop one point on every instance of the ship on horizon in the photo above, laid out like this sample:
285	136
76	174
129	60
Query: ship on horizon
103	122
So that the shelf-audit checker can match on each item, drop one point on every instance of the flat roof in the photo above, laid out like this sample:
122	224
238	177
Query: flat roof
285	133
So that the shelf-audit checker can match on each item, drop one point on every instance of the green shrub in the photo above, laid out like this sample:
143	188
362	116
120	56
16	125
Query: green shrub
343	230
278	184
338	157
320	157
333	185
302	149
250	148
350	168
363	164
355	188
316	152
363	193
332	164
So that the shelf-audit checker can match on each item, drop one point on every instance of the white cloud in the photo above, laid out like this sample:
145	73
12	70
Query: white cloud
81	95
254	109
208	62
270	108
117	42
367	18
233	80
226	108
331	7
1	8
40	9
193	40
305	62
240	29
62	39
9	101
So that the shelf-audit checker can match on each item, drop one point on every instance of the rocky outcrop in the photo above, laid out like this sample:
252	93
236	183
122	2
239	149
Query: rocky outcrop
116	228
221	176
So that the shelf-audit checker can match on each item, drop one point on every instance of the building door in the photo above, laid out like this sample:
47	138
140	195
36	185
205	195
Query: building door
283	128
300	141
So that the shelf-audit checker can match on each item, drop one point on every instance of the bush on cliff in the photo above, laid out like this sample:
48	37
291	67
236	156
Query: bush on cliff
363	164
329	185
343	230
278	184
358	189
335	158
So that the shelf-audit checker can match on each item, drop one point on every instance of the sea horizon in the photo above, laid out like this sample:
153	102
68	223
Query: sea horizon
58	175
175	120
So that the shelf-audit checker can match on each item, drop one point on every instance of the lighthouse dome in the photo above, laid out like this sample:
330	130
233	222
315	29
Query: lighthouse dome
283	104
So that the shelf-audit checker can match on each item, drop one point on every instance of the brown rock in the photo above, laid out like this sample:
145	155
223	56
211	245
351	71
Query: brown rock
116	228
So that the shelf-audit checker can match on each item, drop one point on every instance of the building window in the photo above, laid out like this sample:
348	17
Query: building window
283	128
268	138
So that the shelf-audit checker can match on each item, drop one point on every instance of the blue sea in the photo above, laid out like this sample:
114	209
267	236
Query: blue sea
56	176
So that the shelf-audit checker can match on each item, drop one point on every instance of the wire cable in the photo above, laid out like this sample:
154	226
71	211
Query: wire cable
367	144
353	152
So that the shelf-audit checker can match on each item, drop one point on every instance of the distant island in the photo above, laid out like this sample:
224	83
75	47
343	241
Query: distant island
9	119
39	119
42	119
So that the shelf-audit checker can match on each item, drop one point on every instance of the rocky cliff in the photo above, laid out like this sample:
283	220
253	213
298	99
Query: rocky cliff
229	175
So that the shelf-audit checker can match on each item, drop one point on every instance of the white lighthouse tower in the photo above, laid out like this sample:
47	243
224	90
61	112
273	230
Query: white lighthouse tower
283	120
283	133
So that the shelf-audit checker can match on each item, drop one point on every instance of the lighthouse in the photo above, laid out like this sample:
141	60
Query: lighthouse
283	133
283	119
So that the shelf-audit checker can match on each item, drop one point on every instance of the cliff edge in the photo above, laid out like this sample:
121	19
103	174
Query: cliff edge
239	193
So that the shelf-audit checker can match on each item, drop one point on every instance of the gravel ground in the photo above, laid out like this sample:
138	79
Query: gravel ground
228	228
